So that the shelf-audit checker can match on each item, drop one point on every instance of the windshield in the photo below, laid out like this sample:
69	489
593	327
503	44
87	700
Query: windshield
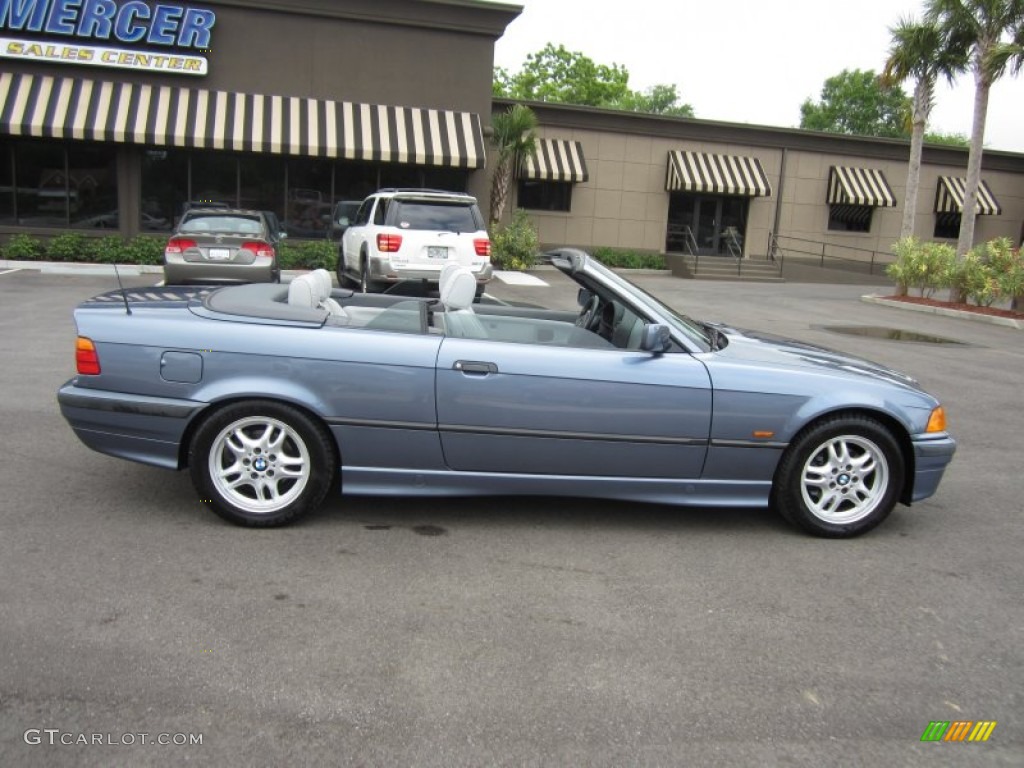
222	224
686	326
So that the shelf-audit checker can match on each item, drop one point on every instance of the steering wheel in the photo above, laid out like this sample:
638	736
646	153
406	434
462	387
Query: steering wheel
589	317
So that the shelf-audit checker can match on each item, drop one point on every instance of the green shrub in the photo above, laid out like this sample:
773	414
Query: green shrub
900	270
144	249
68	247
627	259
925	266
23	248
972	279
1007	266
307	254
516	245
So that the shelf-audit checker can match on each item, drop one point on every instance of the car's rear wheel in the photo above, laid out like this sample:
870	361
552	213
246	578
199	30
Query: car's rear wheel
261	463
840	477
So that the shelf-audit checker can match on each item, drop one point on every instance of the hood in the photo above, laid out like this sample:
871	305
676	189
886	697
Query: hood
757	346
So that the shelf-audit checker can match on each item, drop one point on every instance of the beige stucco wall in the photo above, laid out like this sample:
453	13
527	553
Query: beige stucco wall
624	202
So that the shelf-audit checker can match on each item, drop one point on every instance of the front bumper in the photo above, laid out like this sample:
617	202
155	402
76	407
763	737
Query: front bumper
932	455
135	427
384	270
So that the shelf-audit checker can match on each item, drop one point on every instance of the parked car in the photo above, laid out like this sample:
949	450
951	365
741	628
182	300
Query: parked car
223	245
271	395
411	234
342	215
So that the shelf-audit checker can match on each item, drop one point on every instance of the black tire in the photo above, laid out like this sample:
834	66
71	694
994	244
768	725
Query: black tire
344	279
840	477
284	453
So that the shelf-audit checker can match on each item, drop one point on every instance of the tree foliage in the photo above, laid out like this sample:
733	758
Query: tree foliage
559	75
514	137
920	52
990	33
858	102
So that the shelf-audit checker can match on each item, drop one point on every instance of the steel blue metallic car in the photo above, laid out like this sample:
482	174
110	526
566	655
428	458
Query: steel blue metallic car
272	395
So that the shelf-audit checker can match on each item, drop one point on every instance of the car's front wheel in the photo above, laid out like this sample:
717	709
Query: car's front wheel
840	477
261	463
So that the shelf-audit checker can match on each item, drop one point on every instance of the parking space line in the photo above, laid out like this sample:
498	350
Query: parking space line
11	271
518	278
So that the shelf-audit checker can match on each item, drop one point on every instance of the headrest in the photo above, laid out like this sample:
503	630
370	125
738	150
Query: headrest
458	288
304	291
323	279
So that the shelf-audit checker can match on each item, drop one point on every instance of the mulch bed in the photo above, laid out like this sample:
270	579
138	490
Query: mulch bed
961	307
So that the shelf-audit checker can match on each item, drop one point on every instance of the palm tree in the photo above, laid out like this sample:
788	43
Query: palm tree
514	137
979	29
918	51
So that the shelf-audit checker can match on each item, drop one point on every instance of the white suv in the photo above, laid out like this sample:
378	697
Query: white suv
411	234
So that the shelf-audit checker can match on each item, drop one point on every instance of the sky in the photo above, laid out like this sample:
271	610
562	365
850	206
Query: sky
750	61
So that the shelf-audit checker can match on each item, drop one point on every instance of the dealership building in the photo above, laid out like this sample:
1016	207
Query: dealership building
117	114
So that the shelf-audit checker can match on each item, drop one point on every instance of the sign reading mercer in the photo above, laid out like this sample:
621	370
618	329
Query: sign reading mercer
130	22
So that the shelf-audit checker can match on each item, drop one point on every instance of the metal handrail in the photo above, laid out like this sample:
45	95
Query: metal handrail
820	250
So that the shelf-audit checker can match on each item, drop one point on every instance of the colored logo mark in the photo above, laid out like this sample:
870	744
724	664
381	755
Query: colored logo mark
958	730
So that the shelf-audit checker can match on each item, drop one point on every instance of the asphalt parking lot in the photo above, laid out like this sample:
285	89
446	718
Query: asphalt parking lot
496	631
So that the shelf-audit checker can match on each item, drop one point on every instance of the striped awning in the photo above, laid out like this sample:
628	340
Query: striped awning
859	186
71	108
716	174
555	160
949	197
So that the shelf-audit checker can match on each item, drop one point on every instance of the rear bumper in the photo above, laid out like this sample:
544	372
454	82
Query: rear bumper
383	270
931	457
178	271
134	427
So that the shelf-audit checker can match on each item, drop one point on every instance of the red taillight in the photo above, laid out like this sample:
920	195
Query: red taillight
260	249
86	359
483	246
179	245
389	243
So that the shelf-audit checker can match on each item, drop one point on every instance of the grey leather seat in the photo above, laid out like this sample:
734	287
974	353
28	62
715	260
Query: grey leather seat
458	289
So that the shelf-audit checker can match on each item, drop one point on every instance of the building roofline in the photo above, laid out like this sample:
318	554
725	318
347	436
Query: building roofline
468	16
573	116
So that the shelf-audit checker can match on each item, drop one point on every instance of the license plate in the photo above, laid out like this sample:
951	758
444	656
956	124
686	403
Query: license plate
437	252
220	254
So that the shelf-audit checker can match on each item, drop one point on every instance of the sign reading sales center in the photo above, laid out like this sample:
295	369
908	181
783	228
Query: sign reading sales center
88	32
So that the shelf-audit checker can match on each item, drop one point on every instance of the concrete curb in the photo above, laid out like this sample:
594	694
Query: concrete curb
80	268
945	312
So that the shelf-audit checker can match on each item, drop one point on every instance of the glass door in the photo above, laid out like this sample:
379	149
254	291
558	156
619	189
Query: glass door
706	225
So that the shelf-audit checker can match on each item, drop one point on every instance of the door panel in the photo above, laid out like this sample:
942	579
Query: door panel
535	409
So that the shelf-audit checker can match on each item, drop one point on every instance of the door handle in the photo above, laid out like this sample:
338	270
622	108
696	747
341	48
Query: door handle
475	367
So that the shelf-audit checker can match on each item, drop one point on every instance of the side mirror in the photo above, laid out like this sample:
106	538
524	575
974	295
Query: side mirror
343	221
583	297
655	338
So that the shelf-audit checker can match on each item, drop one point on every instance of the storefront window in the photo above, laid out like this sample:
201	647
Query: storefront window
7	182
544	195
308	213
164	188
214	177
53	184
92	186
262	183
